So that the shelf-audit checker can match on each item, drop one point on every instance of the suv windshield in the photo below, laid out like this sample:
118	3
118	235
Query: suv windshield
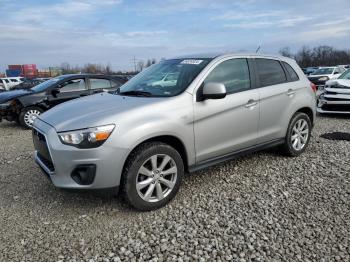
345	75
42	86
167	78
323	71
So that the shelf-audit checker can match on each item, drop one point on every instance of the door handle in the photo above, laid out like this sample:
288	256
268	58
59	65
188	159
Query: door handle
83	95
251	103
290	92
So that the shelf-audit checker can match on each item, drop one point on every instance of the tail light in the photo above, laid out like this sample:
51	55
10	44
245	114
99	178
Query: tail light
313	87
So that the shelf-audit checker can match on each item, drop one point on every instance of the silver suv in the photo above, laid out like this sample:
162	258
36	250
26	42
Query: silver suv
177	116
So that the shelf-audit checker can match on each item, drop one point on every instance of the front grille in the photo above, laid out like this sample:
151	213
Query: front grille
336	108
335	99
42	149
340	86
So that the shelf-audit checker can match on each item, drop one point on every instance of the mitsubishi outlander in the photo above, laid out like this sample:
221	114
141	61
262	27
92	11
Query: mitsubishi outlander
154	128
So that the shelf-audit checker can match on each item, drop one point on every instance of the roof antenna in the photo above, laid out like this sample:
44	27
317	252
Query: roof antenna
258	49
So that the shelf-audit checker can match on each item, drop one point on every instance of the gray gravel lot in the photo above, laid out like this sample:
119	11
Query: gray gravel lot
262	207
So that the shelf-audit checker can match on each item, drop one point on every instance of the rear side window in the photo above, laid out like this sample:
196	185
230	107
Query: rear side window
270	72
293	75
99	83
73	85
115	83
234	74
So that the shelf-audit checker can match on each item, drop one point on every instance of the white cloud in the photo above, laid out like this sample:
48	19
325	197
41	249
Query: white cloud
56	12
145	33
258	20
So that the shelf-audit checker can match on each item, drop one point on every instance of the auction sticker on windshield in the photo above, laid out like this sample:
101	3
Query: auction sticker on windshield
191	62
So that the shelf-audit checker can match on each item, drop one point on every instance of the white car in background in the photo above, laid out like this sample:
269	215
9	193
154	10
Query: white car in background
336	96
323	74
6	83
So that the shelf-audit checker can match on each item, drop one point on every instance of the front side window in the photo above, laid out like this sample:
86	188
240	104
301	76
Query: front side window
47	84
165	79
99	83
73	85
234	74
270	72
293	75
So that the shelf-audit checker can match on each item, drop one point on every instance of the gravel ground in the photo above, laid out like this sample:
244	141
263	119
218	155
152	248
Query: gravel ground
262	207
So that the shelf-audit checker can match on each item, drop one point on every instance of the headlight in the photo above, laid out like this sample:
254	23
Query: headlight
87	138
324	78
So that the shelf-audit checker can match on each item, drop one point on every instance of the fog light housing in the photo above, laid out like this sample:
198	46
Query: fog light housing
84	174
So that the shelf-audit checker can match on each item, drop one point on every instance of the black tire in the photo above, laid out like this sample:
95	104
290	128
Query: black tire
287	147
131	169
23	113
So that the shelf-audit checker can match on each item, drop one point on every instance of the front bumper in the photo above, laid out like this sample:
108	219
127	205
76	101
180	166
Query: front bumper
326	106
63	160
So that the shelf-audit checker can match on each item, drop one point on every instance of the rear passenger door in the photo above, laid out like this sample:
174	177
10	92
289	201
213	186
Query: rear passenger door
223	126
277	91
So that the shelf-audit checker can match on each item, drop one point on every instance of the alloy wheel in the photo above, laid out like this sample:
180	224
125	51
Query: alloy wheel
300	134
156	178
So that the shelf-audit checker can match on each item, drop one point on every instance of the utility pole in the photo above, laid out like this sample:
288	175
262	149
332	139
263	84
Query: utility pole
134	60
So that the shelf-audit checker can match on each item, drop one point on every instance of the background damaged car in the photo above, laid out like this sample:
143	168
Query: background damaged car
336	97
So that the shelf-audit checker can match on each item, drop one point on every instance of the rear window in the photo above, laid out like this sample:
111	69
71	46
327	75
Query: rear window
293	75
270	72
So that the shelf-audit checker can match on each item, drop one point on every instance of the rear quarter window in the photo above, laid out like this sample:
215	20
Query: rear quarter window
292	74
270	72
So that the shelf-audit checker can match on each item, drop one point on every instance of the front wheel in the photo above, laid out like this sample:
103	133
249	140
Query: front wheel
152	176
298	135
28	115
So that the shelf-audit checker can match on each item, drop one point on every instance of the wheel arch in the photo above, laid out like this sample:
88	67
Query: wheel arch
170	140
308	111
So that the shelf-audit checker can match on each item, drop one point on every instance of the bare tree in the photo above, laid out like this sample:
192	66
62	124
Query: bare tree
285	51
148	63
140	66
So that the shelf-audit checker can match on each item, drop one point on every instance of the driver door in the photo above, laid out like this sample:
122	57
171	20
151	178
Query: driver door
68	90
224	126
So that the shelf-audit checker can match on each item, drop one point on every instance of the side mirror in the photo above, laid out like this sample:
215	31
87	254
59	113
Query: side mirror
213	91
55	91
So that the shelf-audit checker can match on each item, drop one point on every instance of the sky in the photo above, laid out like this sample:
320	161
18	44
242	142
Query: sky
51	32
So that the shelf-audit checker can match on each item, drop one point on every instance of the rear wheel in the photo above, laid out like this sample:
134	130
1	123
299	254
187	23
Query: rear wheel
152	176
28	115
298	135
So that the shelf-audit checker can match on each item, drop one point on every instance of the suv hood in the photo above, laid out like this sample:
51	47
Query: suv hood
339	82
9	95
91	111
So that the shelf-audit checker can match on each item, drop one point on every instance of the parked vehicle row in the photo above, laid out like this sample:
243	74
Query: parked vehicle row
28	83
336	96
6	83
24	105
182	114
323	74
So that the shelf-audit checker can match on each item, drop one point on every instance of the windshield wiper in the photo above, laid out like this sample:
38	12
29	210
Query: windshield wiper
135	93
